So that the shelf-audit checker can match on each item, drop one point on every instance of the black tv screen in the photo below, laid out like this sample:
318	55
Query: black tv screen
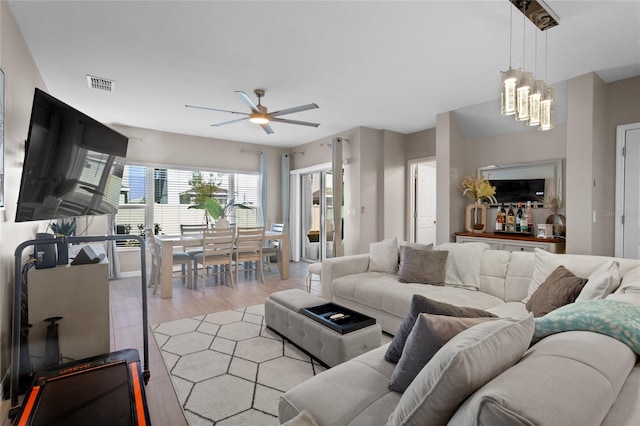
73	164
519	190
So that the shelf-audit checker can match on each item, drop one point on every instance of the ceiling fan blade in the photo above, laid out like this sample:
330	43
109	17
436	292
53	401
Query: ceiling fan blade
302	123
216	109
267	129
247	101
294	109
229	122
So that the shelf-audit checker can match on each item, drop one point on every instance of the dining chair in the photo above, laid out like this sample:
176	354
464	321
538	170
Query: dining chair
178	258
248	249
217	250
193	230
272	247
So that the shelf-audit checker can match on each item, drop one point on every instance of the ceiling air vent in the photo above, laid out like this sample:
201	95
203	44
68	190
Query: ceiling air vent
101	84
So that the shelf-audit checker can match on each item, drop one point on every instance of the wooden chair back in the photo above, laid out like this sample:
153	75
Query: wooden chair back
217	244
249	243
192	229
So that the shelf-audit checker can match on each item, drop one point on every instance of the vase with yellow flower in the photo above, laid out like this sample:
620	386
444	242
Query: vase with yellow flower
480	191
558	221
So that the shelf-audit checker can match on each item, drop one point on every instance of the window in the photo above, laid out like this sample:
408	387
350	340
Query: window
131	216
173	191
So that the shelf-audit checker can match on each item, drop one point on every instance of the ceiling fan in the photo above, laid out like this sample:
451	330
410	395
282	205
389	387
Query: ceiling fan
259	114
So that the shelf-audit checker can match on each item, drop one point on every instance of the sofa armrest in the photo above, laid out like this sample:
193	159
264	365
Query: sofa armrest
337	267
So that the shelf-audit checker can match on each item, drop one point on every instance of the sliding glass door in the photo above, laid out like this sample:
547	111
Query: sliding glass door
317	230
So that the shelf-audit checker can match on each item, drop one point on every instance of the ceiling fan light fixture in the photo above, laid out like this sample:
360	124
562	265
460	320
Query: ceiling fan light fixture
258	118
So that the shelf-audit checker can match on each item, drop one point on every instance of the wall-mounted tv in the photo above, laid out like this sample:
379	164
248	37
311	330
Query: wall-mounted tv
73	164
519	190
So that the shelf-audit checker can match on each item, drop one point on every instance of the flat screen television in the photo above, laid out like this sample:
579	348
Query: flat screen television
73	164
518	190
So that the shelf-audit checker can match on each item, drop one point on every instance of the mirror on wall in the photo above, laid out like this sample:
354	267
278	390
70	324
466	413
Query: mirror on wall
521	182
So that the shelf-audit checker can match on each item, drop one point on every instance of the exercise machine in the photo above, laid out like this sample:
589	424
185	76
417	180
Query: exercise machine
105	389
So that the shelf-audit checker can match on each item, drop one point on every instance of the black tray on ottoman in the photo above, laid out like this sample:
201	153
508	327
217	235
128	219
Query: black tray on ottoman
351	320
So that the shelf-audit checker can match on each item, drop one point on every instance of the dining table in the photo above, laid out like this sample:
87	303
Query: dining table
168	242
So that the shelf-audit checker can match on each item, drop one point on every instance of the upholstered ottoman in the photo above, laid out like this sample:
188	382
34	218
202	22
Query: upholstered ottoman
282	314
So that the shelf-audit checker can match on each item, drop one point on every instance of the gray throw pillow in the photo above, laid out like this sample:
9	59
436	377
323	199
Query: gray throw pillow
560	288
428	335
421	304
422	266
462	366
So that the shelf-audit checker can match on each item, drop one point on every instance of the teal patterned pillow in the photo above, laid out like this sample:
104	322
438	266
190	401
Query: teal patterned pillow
616	319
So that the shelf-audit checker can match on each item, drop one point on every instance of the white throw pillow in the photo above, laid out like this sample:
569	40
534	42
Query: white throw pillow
459	368
630	282
463	263
546	263
383	256
601	283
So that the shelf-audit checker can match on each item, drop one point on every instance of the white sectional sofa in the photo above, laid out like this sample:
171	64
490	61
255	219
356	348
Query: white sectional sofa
568	378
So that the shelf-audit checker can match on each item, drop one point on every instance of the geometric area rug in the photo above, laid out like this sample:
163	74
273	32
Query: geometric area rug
227	368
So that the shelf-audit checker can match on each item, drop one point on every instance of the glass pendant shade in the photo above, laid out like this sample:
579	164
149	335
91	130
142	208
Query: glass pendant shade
535	97
522	93
547	110
510	80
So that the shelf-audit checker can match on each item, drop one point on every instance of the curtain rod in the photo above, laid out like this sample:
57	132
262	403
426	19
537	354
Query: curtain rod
337	140
243	151
298	153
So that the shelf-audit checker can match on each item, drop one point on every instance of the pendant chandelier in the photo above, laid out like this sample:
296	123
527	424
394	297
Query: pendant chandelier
522	95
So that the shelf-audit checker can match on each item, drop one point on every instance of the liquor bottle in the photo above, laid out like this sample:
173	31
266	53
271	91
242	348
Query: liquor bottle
529	217
519	218
511	220
524	223
499	221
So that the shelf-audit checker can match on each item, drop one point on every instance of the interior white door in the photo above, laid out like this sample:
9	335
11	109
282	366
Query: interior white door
631	212
426	203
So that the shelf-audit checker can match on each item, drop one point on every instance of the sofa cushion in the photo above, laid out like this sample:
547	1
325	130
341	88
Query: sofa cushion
463	263
421	304
464	364
620	320
519	273
493	271
602	282
302	419
383	256
354	392
402	246
422	266
509	310
560	288
575	377
546	263
429	334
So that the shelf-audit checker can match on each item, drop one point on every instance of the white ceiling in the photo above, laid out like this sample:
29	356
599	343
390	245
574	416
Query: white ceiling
382	64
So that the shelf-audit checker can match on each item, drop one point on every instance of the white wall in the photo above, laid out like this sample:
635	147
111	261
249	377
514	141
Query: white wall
21	77
421	144
580	173
394	185
451	164
371	188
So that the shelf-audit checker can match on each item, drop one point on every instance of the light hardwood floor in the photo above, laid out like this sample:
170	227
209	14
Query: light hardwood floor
126	321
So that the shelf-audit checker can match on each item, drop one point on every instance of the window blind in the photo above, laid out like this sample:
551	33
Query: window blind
173	192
